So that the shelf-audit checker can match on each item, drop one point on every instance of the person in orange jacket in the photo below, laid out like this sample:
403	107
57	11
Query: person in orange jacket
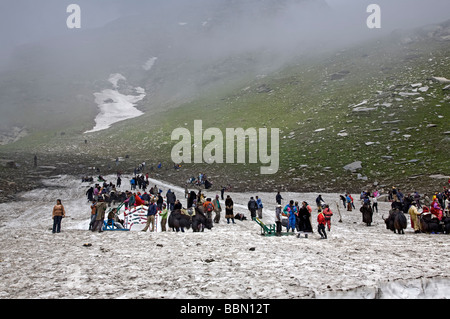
321	227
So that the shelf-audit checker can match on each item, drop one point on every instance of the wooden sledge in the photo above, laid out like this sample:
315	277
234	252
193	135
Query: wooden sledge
269	230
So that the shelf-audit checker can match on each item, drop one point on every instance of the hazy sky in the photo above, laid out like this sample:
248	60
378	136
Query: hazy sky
23	21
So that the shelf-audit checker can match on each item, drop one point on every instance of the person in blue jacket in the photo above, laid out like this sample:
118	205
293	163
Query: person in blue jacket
151	213
291	212
260	207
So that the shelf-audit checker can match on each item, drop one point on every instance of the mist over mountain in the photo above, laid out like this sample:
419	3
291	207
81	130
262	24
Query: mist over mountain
196	43
200	45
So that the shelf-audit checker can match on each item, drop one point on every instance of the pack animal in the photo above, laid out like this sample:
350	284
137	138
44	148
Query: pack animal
396	221
178	221
447	225
200	221
432	225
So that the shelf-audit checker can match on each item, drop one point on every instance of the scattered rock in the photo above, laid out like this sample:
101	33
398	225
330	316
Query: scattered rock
353	166
391	122
263	89
364	109
408	94
441	80
439	176
363	178
252	248
339	75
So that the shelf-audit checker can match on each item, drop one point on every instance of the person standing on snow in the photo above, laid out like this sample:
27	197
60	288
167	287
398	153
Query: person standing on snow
278	219
414	214
349	202
100	209
260	207
328	213
229	209
217	209
58	214
303	221
252	206
374	203
291	212
367	213
164	212
319	201
93	215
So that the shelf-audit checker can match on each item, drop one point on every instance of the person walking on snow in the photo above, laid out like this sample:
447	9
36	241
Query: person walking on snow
278	198
151	213
321	225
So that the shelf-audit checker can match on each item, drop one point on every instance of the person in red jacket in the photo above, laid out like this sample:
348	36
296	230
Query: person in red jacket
321	227
328	213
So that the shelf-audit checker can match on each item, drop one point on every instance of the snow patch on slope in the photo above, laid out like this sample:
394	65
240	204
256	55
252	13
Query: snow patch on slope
115	106
150	63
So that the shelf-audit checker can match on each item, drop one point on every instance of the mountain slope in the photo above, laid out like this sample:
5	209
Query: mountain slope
334	107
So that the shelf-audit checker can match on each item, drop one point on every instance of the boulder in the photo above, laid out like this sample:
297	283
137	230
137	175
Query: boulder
441	80
353	166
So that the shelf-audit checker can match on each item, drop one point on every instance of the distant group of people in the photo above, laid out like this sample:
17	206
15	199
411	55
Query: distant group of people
438	206
209	206
200	180
102	194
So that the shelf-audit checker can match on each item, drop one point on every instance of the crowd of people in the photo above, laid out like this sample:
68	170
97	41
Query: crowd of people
103	194
293	216
438	205
298	218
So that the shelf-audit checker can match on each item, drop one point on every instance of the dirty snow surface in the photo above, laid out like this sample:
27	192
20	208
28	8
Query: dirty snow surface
229	261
